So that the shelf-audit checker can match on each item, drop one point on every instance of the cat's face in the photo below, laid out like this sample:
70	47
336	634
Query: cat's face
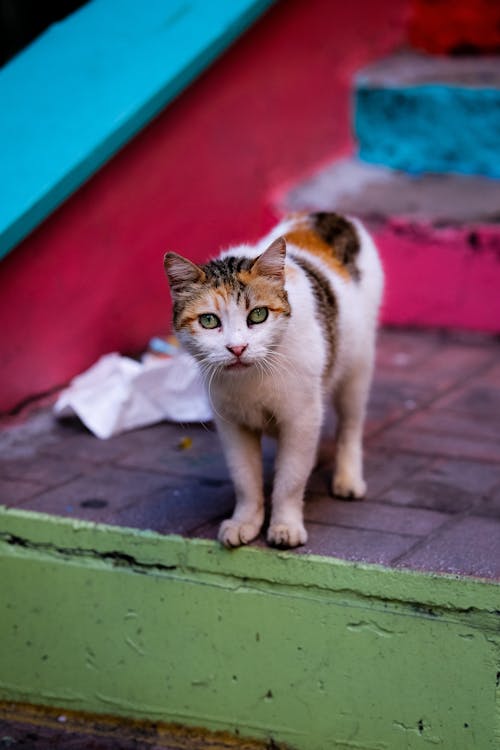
231	313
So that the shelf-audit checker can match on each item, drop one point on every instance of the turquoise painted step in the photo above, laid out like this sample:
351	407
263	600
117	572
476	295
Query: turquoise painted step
89	84
424	114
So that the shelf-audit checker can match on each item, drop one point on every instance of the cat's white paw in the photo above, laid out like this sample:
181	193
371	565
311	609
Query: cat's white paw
348	487
234	533
290	534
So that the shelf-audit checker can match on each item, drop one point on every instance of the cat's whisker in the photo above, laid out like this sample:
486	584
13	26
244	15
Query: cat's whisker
283	373
210	373
215	410
278	353
261	370
275	376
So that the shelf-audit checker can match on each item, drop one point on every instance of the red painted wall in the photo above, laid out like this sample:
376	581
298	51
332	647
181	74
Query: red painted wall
90	279
456	26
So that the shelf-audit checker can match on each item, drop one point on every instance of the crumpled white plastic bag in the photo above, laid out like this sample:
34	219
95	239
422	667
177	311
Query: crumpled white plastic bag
118	394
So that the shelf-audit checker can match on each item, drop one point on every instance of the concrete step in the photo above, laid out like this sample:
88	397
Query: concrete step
439	237
427	114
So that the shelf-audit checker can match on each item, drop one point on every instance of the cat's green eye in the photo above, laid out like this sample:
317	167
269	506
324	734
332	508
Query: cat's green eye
209	320
258	315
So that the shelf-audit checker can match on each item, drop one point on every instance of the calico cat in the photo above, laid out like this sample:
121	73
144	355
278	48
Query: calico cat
277	329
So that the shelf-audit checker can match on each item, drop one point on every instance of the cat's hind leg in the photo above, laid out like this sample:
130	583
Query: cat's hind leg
243	455
350	401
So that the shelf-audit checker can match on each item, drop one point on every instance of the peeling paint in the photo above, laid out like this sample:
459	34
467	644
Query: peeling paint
373	627
118	559
134	646
421	729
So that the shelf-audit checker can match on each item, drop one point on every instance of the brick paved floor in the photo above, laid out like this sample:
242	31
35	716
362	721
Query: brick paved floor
432	465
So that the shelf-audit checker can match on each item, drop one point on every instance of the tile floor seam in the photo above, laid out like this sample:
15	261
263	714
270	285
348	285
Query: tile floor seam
447	433
478	502
477	373
411	473
59	486
456	457
423	507
395	369
51	452
432	401
51	487
199	528
452	521
174	474
137	502
325	524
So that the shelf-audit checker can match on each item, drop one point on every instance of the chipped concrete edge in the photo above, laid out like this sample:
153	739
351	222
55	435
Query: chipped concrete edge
148	550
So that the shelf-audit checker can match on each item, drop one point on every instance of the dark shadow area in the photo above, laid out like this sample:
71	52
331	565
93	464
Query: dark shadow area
21	21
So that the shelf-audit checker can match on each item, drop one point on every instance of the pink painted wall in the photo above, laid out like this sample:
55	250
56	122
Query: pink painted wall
434	276
90	279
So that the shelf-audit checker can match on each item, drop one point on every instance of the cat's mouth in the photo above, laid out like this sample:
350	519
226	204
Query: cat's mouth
238	365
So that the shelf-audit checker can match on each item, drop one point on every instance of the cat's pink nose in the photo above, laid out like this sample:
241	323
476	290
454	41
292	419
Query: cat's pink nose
237	350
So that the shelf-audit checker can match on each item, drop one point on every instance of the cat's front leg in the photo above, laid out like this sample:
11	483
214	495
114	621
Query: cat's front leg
297	447
243	455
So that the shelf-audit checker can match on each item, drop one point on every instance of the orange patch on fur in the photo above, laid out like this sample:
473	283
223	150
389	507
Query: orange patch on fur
213	301
246	277
188	322
264	292
307	239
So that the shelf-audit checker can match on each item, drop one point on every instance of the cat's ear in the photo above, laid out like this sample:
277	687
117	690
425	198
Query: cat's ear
181	271
272	261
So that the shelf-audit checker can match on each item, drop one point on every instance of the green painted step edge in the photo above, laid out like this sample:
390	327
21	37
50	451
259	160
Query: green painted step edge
315	669
90	83
149	550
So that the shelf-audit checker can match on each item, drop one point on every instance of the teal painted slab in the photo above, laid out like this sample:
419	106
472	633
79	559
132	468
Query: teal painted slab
435	129
419	113
89	84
